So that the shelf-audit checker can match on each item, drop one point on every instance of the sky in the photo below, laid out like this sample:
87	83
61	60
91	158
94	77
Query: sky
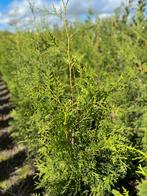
18	11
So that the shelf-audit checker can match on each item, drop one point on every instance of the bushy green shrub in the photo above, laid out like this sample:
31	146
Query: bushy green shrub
79	94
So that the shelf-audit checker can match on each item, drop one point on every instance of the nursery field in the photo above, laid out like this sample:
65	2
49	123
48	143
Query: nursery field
74	120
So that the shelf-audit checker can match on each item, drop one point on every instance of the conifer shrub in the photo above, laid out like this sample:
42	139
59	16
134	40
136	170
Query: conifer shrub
79	94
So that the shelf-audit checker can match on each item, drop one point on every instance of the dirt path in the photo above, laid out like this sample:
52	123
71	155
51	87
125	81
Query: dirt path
16	176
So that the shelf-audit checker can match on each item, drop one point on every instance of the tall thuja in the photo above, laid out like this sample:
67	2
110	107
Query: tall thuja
118	71
141	29
126	12
6	48
133	11
140	11
79	107
82	149
36	69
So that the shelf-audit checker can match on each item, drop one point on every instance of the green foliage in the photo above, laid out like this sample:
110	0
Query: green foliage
79	94
117	193
142	188
141	8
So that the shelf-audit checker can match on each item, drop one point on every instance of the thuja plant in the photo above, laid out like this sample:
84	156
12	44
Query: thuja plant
80	107
81	150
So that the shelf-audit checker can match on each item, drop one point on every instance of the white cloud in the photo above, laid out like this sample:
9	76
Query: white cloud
20	12
98	6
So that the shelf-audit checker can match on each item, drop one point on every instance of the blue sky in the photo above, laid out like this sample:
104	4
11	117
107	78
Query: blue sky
3	8
4	4
18	10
